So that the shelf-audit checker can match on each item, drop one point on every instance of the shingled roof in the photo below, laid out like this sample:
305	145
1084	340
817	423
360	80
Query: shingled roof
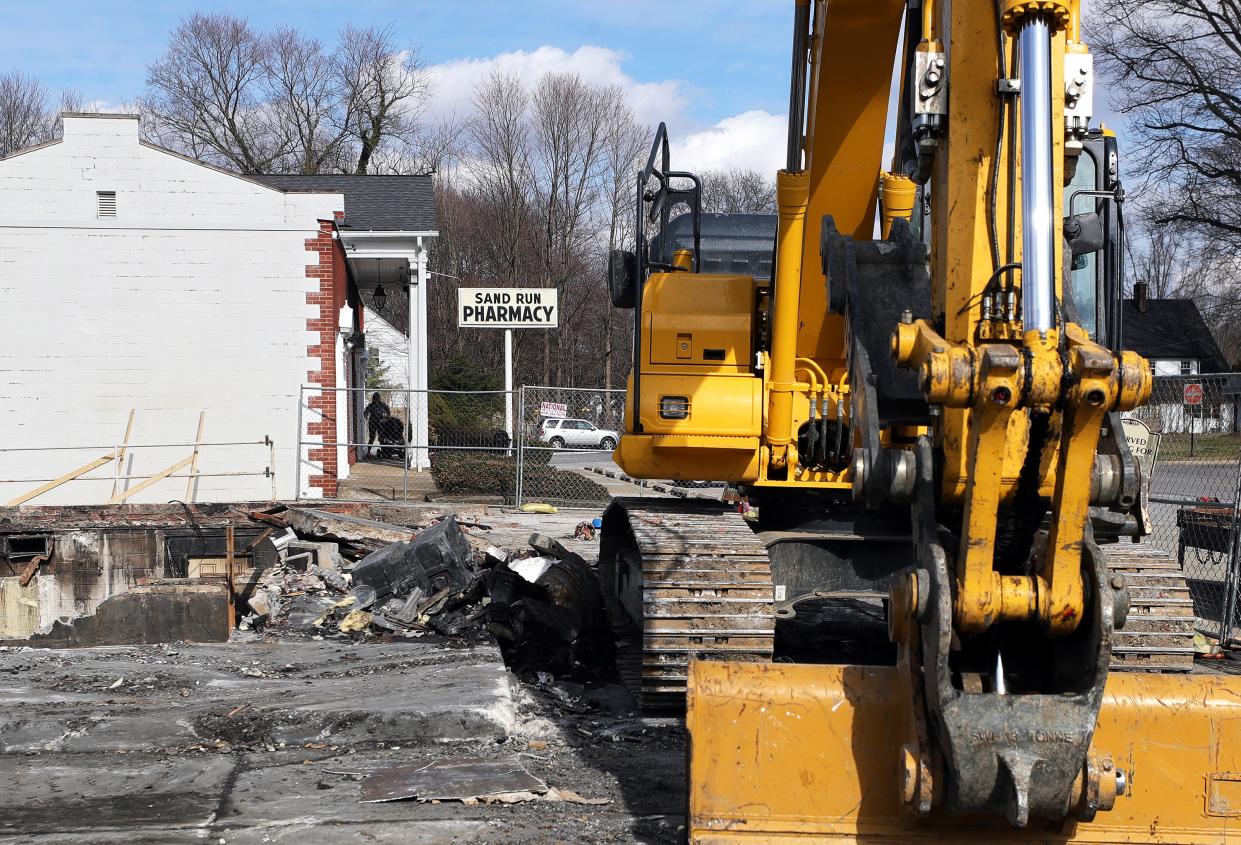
372	203
1171	328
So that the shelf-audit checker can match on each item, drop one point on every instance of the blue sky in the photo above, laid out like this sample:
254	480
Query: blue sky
728	57
716	71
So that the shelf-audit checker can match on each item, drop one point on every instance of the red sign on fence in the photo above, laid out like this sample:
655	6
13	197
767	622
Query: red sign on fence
1193	393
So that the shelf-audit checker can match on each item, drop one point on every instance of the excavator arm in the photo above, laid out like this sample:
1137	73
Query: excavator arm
974	399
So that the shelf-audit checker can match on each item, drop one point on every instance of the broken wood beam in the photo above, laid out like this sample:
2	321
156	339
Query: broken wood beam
31	569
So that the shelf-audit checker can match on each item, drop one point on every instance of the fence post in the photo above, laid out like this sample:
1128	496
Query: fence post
1232	579
519	431
406	454
297	449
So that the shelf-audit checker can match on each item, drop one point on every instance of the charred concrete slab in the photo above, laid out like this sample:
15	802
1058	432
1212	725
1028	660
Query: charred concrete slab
110	795
326	525
256	695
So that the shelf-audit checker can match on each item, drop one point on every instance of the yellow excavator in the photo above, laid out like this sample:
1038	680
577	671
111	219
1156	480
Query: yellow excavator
928	425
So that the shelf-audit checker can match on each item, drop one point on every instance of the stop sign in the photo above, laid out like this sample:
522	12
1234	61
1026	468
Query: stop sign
1193	394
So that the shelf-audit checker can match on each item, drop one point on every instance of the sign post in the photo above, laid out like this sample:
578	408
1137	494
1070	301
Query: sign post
508	309
508	384
1192	396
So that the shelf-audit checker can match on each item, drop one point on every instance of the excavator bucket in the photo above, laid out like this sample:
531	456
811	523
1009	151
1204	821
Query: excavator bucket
800	753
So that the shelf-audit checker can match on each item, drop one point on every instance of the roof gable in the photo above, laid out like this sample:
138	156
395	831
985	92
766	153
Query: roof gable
1171	328
58	183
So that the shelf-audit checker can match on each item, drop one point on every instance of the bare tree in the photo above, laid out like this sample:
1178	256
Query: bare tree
623	147
228	94
385	89
543	190
429	147
1211	276
306	95
26	114
570	122
1174	70
24	118
1156	256
207	95
738	191
501	172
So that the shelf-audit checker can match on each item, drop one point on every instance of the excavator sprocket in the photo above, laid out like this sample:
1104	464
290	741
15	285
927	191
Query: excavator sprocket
683	578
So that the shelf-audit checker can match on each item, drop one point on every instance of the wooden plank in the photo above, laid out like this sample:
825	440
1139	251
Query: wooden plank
253	544
229	543
160	476
56	482
120	456
31	569
198	439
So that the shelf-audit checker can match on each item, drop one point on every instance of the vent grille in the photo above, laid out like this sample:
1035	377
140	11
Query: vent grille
106	203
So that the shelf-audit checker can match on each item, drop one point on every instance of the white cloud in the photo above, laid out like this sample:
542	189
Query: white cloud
651	102
755	140
751	139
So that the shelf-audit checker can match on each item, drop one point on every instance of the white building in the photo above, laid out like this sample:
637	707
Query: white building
135	280
1173	337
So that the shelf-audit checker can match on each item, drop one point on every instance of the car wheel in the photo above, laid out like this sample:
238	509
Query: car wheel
557	442
608	443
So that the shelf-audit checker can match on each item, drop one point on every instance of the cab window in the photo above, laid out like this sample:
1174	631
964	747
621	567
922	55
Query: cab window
1083	277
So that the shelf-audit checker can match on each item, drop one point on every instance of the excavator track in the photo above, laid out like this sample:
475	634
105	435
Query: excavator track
1159	633
684	578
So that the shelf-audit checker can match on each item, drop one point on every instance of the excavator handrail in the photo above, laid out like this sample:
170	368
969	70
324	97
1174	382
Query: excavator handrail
665	198
662	202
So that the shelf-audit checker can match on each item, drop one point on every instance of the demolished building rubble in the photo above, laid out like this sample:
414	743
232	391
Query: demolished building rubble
367	578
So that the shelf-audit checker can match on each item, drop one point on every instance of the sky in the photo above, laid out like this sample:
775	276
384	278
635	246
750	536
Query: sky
716	72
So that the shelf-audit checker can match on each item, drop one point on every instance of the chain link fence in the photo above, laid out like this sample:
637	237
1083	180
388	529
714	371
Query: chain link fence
405	445
540	444
535	444
562	431
1196	488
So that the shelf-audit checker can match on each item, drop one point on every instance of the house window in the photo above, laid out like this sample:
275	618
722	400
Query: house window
1189	368
105	204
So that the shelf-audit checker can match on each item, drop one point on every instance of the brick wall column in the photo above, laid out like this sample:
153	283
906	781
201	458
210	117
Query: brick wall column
321	418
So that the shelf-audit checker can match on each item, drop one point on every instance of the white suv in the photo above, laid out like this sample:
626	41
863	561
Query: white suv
561	432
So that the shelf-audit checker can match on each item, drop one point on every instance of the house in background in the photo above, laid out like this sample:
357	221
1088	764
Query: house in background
138	280
1171	334
386	229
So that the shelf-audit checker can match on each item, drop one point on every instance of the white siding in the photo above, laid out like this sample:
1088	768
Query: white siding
193	298
392	347
1173	367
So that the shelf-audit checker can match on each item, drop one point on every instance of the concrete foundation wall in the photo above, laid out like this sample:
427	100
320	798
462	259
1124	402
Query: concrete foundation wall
88	566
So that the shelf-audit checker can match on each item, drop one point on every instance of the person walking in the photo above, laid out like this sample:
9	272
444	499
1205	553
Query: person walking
376	412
